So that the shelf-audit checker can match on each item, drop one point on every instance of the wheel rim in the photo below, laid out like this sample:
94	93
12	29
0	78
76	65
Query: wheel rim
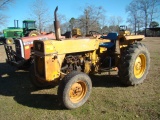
77	91
140	66
9	41
33	34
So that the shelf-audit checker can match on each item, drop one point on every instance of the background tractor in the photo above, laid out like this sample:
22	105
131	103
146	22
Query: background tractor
29	29
20	54
69	62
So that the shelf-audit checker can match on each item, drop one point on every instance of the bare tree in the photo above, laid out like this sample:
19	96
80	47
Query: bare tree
62	18
133	18
3	19
90	18
154	9
112	20
40	13
63	23
3	6
119	20
114	23
104	30
142	12
144	6
103	24
148	8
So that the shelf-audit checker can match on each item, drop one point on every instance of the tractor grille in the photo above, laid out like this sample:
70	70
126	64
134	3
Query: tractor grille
40	67
18	47
10	34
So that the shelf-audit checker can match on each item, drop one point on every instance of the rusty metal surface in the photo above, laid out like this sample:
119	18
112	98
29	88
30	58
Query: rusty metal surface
70	45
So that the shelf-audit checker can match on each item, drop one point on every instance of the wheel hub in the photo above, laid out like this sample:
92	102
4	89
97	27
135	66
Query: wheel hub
9	41
33	34
138	63
140	66
77	91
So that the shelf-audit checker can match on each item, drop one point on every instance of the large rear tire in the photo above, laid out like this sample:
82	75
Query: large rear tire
134	64
34	33
74	90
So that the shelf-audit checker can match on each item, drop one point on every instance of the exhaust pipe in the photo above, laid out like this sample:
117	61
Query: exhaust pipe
16	23
57	25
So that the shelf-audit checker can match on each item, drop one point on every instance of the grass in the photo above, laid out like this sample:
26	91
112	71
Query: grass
109	99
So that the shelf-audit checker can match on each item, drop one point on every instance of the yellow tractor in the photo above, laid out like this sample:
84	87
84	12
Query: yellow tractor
68	62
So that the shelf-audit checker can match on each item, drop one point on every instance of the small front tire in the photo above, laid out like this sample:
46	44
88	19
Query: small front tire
74	90
9	41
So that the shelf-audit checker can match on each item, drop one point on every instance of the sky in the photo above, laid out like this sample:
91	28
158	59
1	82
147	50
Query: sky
20	10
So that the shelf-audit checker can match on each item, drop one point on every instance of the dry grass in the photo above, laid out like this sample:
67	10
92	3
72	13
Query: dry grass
109	98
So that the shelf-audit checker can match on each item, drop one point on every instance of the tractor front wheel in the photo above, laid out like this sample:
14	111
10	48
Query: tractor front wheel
34	33
134	64
9	41
74	90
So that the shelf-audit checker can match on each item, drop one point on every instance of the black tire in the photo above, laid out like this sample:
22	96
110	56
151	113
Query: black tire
9	41
134	64
37	82
81	89
34	33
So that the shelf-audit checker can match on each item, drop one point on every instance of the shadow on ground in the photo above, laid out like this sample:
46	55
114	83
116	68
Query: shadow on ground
106	80
16	83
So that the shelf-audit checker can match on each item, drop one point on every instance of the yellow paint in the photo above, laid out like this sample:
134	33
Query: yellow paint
54	53
124	33
134	37
140	66
103	49
52	68
69	46
78	91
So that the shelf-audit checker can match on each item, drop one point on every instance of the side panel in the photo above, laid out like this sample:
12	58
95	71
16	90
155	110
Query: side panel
48	67
69	46
52	68
134	37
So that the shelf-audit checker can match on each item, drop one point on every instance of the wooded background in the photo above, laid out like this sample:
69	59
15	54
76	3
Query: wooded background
141	14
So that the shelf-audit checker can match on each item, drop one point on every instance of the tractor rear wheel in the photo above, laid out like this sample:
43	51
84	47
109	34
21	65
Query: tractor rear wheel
34	33
74	90
9	41
134	64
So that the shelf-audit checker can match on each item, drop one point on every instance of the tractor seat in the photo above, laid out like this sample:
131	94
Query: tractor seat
113	37
107	45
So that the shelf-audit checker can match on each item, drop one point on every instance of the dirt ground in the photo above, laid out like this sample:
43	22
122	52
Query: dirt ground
109	98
